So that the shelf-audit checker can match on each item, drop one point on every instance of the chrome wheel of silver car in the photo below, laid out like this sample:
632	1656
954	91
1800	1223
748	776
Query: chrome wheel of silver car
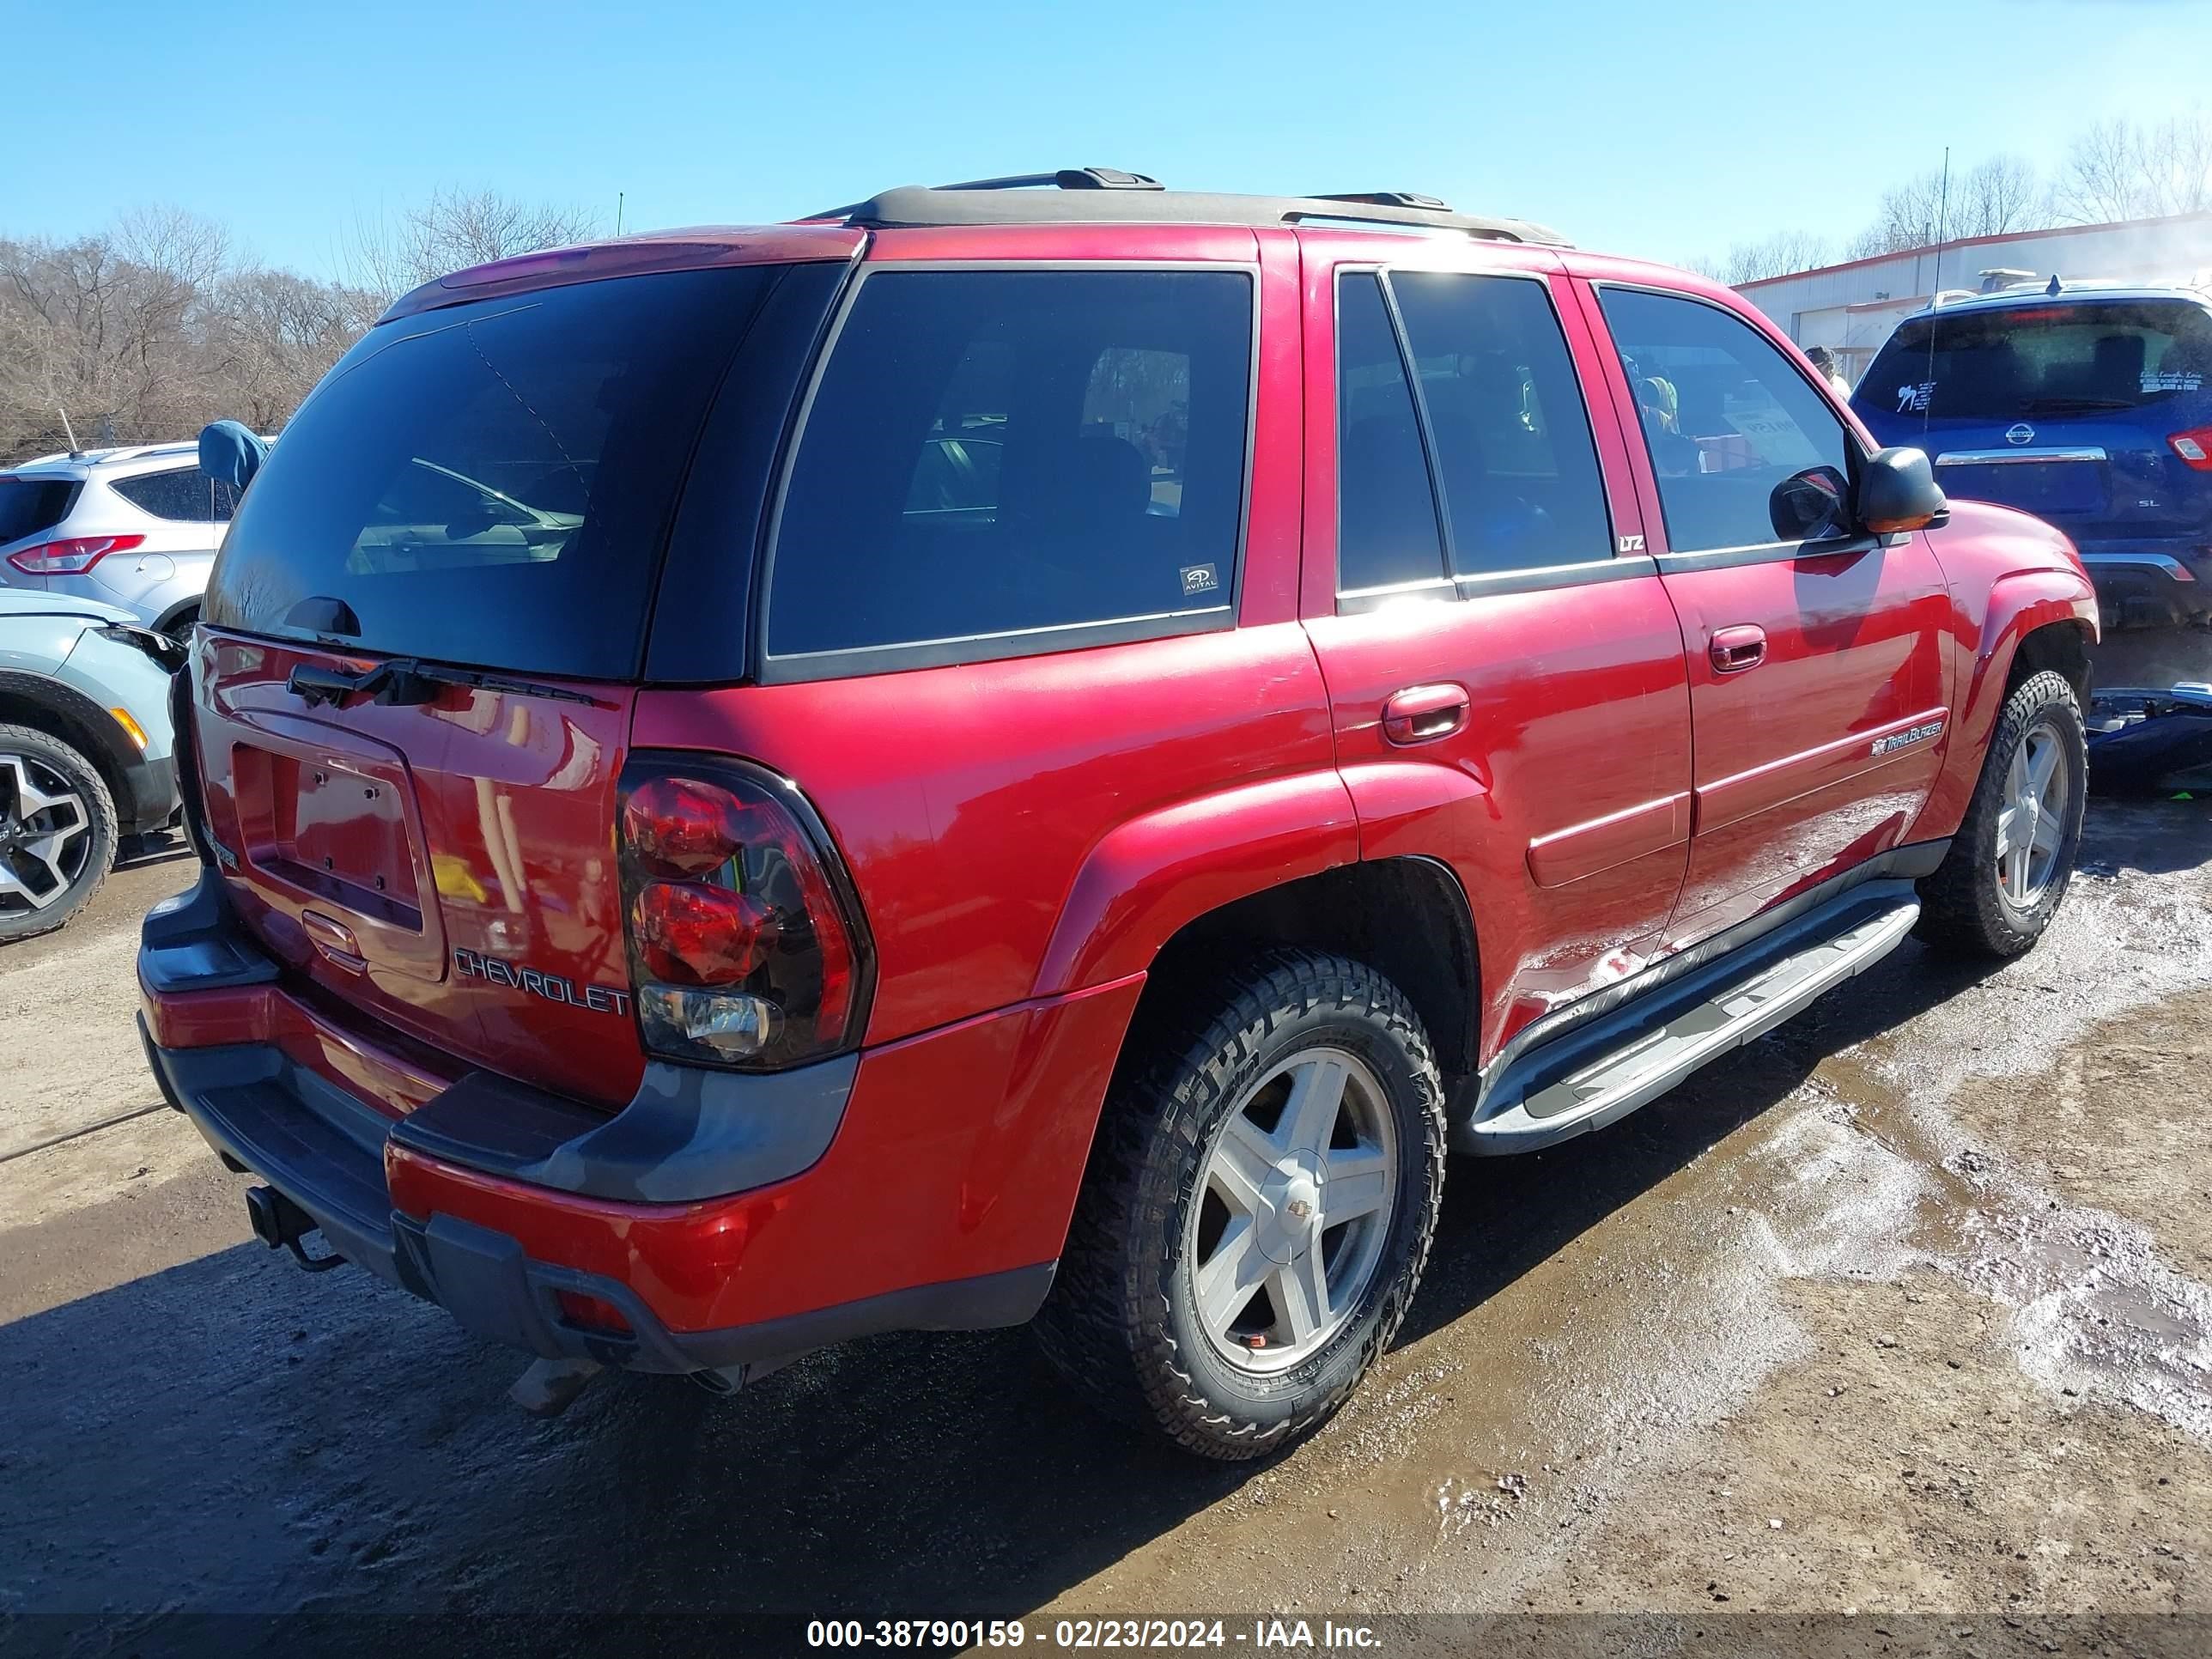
46	834
2031	817
1297	1193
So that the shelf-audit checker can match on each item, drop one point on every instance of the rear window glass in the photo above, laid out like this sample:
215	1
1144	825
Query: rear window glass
186	495
2056	358
492	483
28	506
991	453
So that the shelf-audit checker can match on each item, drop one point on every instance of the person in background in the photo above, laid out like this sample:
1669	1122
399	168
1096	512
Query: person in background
1819	356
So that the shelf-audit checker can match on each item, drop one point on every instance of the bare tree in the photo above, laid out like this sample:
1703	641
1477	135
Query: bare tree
148	330
2100	179
2118	169
1997	196
2179	151
388	255
273	334
1911	215
1780	255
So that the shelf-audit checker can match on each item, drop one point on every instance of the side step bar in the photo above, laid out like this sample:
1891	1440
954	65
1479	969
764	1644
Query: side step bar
1605	1069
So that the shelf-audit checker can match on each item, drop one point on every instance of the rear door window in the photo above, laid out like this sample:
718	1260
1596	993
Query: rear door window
992	458
2079	357
1513	452
30	506
1725	415
492	483
1386	529
183	495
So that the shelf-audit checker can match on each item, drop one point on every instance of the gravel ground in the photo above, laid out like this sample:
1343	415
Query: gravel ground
1894	1325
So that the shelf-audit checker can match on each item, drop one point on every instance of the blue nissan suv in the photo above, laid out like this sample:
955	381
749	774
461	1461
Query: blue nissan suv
2090	407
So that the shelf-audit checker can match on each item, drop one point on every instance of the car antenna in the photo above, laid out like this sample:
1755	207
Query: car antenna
70	432
1936	303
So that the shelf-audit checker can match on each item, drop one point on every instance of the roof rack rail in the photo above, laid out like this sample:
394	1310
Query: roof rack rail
1404	198
1110	195
1066	178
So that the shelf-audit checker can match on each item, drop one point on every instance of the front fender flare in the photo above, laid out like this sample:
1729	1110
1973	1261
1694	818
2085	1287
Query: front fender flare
2019	603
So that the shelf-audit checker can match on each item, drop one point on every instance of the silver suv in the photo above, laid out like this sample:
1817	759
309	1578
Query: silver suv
137	528
85	757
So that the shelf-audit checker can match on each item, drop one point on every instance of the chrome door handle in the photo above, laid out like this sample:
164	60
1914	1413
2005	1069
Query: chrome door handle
1423	714
1735	649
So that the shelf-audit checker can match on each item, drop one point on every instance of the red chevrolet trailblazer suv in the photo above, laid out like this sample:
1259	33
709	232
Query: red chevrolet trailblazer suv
1039	751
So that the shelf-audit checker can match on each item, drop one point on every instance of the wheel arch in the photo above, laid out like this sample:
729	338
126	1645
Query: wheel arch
2062	648
2033	620
167	621
67	715
1405	917
1154	874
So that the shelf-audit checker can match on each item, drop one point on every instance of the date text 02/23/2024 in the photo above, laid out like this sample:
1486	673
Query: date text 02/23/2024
960	1634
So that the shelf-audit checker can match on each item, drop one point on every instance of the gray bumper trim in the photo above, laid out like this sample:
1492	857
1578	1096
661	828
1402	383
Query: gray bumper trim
689	1132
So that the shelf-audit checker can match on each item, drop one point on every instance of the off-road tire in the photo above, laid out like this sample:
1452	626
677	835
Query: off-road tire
1119	1323
1962	911
17	922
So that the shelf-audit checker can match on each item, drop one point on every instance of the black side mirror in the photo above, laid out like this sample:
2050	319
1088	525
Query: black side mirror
1811	506
1897	492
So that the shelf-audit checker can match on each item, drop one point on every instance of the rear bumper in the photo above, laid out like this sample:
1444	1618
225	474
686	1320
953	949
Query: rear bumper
2153	581
923	1185
323	1150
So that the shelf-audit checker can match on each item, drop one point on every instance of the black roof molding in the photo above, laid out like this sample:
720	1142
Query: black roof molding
1111	196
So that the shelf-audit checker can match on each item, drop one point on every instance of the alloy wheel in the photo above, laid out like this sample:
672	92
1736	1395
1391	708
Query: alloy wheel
2032	822
46	834
1294	1207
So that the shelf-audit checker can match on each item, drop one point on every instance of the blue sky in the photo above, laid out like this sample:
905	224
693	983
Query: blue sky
1660	129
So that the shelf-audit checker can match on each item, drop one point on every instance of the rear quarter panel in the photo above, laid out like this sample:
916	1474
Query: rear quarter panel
1035	826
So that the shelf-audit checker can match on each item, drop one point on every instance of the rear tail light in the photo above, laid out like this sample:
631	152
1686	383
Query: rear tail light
72	558
2194	447
745	943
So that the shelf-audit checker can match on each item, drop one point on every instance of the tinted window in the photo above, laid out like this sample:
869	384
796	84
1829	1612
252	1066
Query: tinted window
1513	452
28	506
1386	512
186	495
492	483
992	452
2058	359
1726	416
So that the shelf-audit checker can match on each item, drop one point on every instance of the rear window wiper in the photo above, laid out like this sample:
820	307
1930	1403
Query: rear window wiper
402	683
2043	405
